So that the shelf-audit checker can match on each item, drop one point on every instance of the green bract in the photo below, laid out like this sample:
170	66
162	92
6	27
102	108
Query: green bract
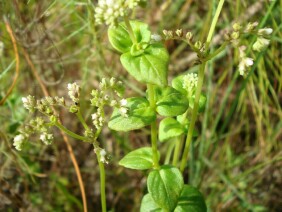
190	200
139	115
149	66
140	159
165	186
169	128
120	39
170	102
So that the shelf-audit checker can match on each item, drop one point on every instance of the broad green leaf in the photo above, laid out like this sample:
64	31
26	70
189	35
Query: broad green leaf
169	128
202	102
120	39
149	67
148	204
190	200
165	186
170	102
139	159
140	114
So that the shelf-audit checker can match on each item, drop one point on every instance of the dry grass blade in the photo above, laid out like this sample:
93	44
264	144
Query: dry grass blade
10	32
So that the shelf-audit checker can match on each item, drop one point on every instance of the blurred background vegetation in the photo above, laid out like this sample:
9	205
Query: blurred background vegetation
235	162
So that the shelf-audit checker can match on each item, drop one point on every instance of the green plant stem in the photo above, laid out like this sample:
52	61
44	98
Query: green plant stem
216	52
130	31
214	21
154	134
178	147
70	133
102	182
199	88
81	119
194	117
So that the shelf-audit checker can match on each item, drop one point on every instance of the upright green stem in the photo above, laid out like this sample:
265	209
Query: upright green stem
199	88
194	116
154	135
214	21
102	183
101	164
130	31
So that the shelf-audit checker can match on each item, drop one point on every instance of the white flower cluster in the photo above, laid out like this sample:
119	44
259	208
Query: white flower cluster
29	103
262	42
190	82
19	142
102	153
74	91
46	138
109	11
245	62
98	119
123	109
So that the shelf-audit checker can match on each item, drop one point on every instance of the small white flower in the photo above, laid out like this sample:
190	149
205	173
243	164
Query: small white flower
244	64
156	37
103	155
46	138
94	116
123	102
18	142
74	91
29	103
265	31
260	44
123	111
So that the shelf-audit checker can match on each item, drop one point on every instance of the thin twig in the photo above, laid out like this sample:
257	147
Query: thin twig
10	32
65	138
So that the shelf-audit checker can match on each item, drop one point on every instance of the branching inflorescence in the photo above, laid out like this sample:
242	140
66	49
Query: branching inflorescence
176	104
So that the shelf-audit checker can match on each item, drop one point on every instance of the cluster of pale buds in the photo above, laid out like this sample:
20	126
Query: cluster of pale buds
19	142
29	103
46	138
123	109
245	62
103	155
74	92
98	119
262	42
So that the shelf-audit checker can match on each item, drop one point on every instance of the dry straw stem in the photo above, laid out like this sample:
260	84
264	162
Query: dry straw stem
10	32
65	138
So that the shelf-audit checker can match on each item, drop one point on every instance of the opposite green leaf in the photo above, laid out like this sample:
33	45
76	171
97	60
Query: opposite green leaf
169	128
170	102
190	200
139	159
165	186
140	114
148	204
120	39
149	67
